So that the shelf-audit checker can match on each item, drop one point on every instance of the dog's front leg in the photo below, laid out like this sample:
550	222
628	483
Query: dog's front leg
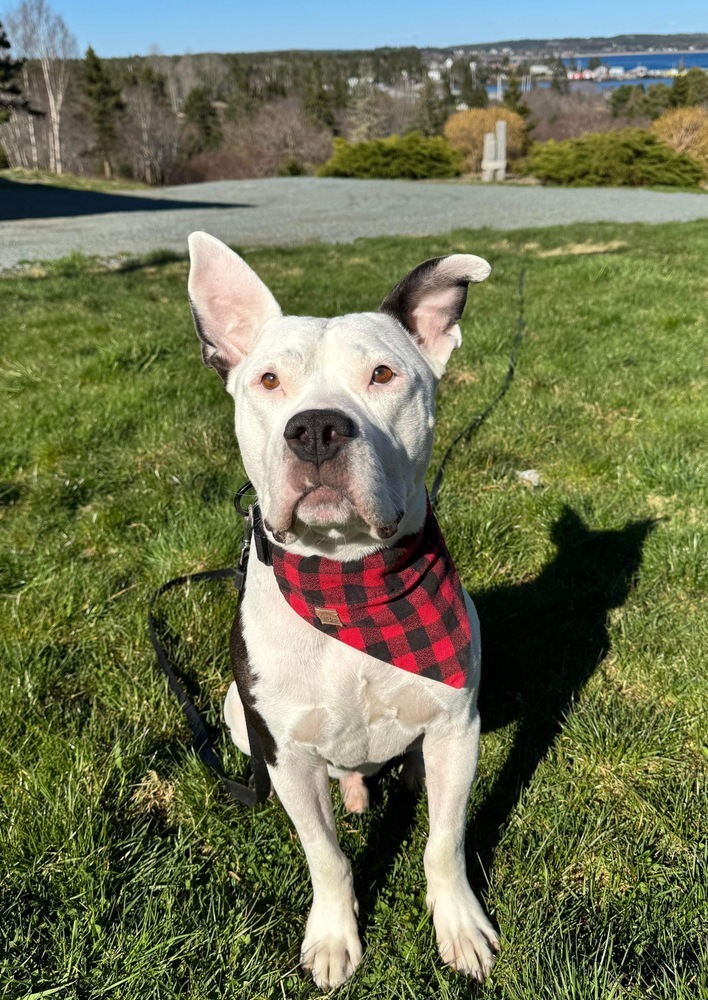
466	939
331	949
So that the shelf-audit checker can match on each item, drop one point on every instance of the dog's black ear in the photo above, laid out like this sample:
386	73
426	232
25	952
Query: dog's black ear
430	300
229	302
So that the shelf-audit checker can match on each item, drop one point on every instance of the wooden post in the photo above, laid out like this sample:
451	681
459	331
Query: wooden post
489	156
500	174
494	156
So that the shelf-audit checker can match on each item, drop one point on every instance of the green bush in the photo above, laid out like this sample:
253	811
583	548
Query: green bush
630	157
291	166
412	156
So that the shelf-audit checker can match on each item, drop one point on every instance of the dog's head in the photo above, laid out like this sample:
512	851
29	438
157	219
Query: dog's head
334	417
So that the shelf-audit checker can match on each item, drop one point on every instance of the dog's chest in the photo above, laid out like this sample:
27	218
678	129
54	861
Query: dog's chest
315	692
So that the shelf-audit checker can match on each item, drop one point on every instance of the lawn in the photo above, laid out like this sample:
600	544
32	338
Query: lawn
75	182
124	870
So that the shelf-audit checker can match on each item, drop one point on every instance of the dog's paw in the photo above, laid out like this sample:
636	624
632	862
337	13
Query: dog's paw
355	794
331	949
466	939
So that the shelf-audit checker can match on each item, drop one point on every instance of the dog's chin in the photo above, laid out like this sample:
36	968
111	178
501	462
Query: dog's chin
325	507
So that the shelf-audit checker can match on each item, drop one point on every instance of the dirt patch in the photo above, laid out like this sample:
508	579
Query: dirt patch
153	795
577	249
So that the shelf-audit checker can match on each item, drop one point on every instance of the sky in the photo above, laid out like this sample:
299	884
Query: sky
134	27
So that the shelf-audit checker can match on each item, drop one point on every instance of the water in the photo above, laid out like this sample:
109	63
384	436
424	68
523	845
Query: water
654	61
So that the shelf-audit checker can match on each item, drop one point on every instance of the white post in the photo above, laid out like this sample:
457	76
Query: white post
494	157
489	157
500	174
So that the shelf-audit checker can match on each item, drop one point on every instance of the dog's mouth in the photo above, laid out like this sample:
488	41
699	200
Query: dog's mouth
324	508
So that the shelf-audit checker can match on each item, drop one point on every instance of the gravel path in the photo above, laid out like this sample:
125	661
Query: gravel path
39	222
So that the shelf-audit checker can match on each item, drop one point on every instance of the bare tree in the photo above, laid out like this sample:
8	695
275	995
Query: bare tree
38	33
151	131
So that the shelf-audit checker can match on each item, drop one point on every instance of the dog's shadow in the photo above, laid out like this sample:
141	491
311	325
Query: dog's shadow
541	641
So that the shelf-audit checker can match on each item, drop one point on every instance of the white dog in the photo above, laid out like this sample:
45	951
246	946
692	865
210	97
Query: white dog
334	419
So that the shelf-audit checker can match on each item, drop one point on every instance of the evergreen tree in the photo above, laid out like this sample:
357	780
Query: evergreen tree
680	92
697	86
103	103
431	114
10	93
513	97
560	77
202	116
318	104
472	94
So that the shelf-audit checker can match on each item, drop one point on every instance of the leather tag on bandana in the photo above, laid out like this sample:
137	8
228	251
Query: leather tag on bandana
328	616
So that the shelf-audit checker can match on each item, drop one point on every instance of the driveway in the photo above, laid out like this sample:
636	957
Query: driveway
41	222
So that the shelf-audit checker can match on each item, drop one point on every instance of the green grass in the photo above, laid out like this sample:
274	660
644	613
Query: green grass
75	182
125	872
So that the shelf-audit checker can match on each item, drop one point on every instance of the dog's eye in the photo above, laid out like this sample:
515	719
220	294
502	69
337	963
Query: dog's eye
270	380
382	375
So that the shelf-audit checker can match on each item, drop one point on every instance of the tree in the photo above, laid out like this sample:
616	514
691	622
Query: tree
513	97
472	94
559	81
680	92
242	99
41	34
368	114
10	90
318	104
150	129
431	113
697	86
103	103
202	116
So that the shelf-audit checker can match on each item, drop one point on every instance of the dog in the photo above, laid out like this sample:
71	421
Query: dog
334	420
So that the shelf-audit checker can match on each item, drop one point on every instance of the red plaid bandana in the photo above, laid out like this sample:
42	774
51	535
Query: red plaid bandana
403	605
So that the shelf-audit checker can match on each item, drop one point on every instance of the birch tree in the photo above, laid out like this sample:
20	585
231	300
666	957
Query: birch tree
40	34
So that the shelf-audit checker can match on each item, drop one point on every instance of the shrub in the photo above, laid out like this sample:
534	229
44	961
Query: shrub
276	136
630	157
412	156
465	132
558	116
686	131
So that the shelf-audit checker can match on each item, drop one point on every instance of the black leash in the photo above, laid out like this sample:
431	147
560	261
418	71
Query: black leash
252	795
246	794
475	424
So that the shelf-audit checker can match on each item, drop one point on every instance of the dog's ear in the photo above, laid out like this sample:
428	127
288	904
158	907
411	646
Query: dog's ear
229	302
430	300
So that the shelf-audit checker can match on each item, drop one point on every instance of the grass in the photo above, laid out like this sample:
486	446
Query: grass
125	872
74	182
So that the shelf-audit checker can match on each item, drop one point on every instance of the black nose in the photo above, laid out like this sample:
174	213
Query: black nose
317	435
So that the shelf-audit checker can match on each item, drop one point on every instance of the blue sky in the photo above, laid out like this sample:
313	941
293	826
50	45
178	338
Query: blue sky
176	26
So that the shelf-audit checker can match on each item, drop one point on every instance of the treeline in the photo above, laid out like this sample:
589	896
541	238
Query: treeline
179	118
212	116
601	43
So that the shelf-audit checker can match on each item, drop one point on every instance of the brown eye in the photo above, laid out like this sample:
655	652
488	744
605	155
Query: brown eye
270	380
382	375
